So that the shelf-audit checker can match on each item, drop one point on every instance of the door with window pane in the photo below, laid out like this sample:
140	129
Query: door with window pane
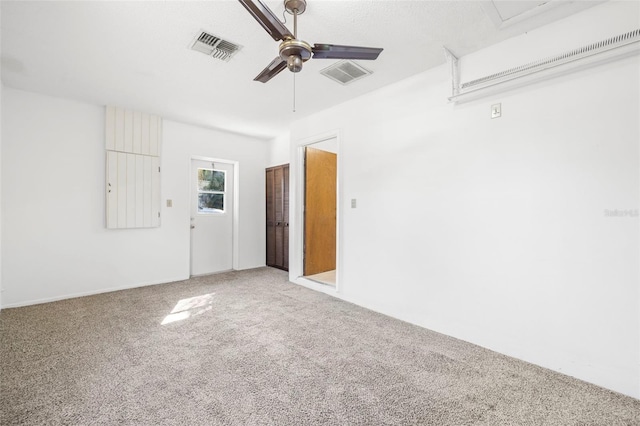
211	217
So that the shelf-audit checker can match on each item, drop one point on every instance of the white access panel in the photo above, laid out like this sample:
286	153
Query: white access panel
139	191
112	189
122	190
155	191
147	192
131	191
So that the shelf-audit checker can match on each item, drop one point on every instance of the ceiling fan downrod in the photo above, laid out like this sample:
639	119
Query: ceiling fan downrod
294	62
294	51
295	23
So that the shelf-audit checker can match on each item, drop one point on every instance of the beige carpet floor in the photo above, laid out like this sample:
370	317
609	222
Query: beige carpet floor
249	348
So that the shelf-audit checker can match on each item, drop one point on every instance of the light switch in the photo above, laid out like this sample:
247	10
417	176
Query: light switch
353	203
169	203
496	110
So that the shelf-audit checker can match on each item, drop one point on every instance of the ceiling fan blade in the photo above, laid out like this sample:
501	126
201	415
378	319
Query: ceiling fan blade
334	51
267	19
273	69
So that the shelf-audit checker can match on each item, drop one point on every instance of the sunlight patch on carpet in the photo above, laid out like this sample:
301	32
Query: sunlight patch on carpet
189	307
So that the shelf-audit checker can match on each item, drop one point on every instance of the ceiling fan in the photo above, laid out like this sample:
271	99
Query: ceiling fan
293	51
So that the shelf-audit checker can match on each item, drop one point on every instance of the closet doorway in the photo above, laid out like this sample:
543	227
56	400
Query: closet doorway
277	191
320	211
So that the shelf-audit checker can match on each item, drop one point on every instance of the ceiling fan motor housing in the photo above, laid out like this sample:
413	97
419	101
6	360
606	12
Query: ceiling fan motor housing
295	52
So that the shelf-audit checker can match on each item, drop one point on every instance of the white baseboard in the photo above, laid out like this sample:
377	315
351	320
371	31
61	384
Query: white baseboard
88	293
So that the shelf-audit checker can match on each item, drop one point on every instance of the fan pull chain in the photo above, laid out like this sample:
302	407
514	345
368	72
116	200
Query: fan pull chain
294	91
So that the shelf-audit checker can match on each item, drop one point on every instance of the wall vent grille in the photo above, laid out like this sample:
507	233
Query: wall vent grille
215	46
345	72
605	49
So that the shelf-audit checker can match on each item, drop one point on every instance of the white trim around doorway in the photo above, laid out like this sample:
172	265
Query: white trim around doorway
296	218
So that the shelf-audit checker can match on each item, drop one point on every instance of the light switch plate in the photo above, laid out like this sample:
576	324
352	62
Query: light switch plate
353	203
496	110
169	203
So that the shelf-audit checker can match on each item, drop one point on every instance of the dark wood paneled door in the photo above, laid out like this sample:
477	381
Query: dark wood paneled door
277	191
320	211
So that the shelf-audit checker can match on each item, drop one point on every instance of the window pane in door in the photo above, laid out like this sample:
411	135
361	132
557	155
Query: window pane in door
210	180
210	203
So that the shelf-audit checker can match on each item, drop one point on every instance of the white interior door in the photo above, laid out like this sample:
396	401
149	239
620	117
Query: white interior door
211	217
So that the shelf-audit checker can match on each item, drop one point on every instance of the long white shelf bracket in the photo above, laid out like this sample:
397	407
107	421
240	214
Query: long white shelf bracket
613	48
452	64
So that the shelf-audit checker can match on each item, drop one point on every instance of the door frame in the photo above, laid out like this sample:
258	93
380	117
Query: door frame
236	206
296	213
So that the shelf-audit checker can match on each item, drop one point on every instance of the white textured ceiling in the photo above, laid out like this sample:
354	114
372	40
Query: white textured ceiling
510	9
137	54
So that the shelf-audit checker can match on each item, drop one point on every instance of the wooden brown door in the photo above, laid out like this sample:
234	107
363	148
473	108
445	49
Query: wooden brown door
277	192
285	216
320	211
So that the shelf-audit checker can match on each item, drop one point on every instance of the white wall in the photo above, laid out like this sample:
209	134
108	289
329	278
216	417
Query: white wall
181	142
494	231
54	240
1	87
1	290
279	150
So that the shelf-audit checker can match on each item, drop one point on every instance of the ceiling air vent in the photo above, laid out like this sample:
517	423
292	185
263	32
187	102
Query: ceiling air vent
215	46
345	72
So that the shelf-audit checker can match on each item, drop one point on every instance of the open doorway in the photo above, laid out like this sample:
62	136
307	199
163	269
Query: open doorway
320	212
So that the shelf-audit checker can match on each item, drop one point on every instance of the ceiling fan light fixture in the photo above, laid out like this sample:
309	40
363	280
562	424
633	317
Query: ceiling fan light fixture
294	63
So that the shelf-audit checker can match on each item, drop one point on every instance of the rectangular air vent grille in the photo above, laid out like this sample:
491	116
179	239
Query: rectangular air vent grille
215	46
573	55
345	72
